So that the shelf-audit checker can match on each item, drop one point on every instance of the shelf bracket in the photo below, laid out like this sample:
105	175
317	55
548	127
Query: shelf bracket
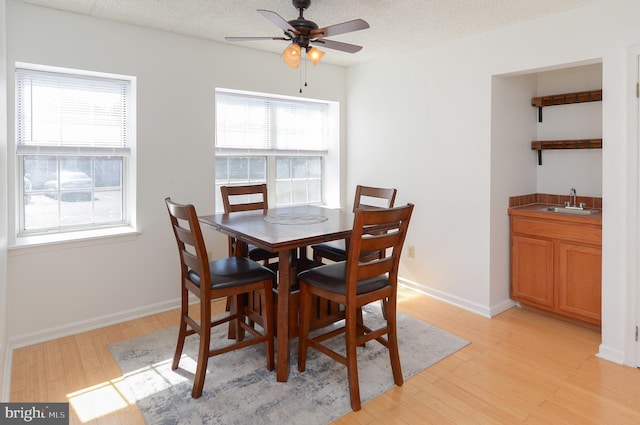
539	113
539	156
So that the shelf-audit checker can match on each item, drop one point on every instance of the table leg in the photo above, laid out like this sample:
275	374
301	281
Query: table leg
285	278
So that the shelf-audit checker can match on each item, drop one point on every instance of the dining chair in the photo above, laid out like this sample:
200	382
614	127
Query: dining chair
227	277
252	197
248	198
366	197
355	283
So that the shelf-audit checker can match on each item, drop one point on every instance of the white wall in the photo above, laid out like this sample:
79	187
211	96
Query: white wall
563	169
433	122
422	132
513	171
58	289
3	211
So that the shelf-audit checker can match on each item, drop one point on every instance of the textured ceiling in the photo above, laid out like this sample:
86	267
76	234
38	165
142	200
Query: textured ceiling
396	25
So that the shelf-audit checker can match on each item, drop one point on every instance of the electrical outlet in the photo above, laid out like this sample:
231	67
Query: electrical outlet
411	251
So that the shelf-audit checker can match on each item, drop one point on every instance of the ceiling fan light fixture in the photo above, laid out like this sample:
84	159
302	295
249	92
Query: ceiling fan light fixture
314	55
291	55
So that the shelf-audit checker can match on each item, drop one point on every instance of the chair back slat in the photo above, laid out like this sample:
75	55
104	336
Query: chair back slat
368	197
244	198
251	206
382	230
191	246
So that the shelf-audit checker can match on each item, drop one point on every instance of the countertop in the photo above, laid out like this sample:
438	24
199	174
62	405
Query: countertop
534	210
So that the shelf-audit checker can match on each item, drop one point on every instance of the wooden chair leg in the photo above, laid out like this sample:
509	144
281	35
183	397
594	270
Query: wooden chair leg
182	329
232	302
182	333
360	325
203	358
240	301
392	338
305	323
352	358
268	324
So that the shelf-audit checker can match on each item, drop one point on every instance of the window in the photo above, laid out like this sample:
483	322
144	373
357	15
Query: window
283	142
74	137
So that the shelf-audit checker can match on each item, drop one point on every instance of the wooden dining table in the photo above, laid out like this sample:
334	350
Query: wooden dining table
285	230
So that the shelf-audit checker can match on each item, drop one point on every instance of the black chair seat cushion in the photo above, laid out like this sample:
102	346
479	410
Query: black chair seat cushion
234	271
259	254
332	277
337	248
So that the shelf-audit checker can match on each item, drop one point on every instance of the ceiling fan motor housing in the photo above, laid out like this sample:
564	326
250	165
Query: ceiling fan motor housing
301	4
304	26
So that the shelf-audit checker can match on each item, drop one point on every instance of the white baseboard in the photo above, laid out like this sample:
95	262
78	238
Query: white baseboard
502	306
465	304
608	353
78	327
605	352
55	332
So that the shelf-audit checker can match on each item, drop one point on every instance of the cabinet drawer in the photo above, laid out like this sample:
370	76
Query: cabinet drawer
576	232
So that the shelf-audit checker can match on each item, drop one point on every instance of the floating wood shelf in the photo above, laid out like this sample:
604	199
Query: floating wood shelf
540	145
565	99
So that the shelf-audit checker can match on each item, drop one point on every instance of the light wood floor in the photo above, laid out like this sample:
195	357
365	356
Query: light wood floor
521	367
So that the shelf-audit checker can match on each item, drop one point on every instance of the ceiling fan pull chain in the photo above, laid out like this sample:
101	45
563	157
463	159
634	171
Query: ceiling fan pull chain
305	70
300	80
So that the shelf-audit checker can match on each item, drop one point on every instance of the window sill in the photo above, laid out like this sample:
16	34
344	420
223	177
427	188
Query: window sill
81	238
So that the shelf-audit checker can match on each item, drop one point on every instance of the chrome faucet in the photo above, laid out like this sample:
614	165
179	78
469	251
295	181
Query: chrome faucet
574	204
572	194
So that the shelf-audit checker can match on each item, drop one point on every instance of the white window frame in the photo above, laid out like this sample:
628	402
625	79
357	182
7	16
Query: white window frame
128	153
330	155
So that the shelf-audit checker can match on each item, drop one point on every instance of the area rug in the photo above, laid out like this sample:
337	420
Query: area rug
240	390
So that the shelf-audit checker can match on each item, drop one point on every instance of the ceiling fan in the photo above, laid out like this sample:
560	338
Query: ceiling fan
305	34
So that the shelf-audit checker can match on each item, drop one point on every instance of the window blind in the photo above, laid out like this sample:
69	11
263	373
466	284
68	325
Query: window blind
253	124
71	114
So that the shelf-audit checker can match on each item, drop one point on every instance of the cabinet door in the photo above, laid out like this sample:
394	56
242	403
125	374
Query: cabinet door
532	271
579	281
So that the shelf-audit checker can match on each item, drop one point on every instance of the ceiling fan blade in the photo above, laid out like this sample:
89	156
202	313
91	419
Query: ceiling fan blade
337	45
254	38
278	20
331	30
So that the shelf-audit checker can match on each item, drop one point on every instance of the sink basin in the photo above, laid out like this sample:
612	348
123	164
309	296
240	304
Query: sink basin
565	210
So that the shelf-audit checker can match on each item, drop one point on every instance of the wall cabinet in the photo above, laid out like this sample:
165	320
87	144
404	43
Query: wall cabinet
556	264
